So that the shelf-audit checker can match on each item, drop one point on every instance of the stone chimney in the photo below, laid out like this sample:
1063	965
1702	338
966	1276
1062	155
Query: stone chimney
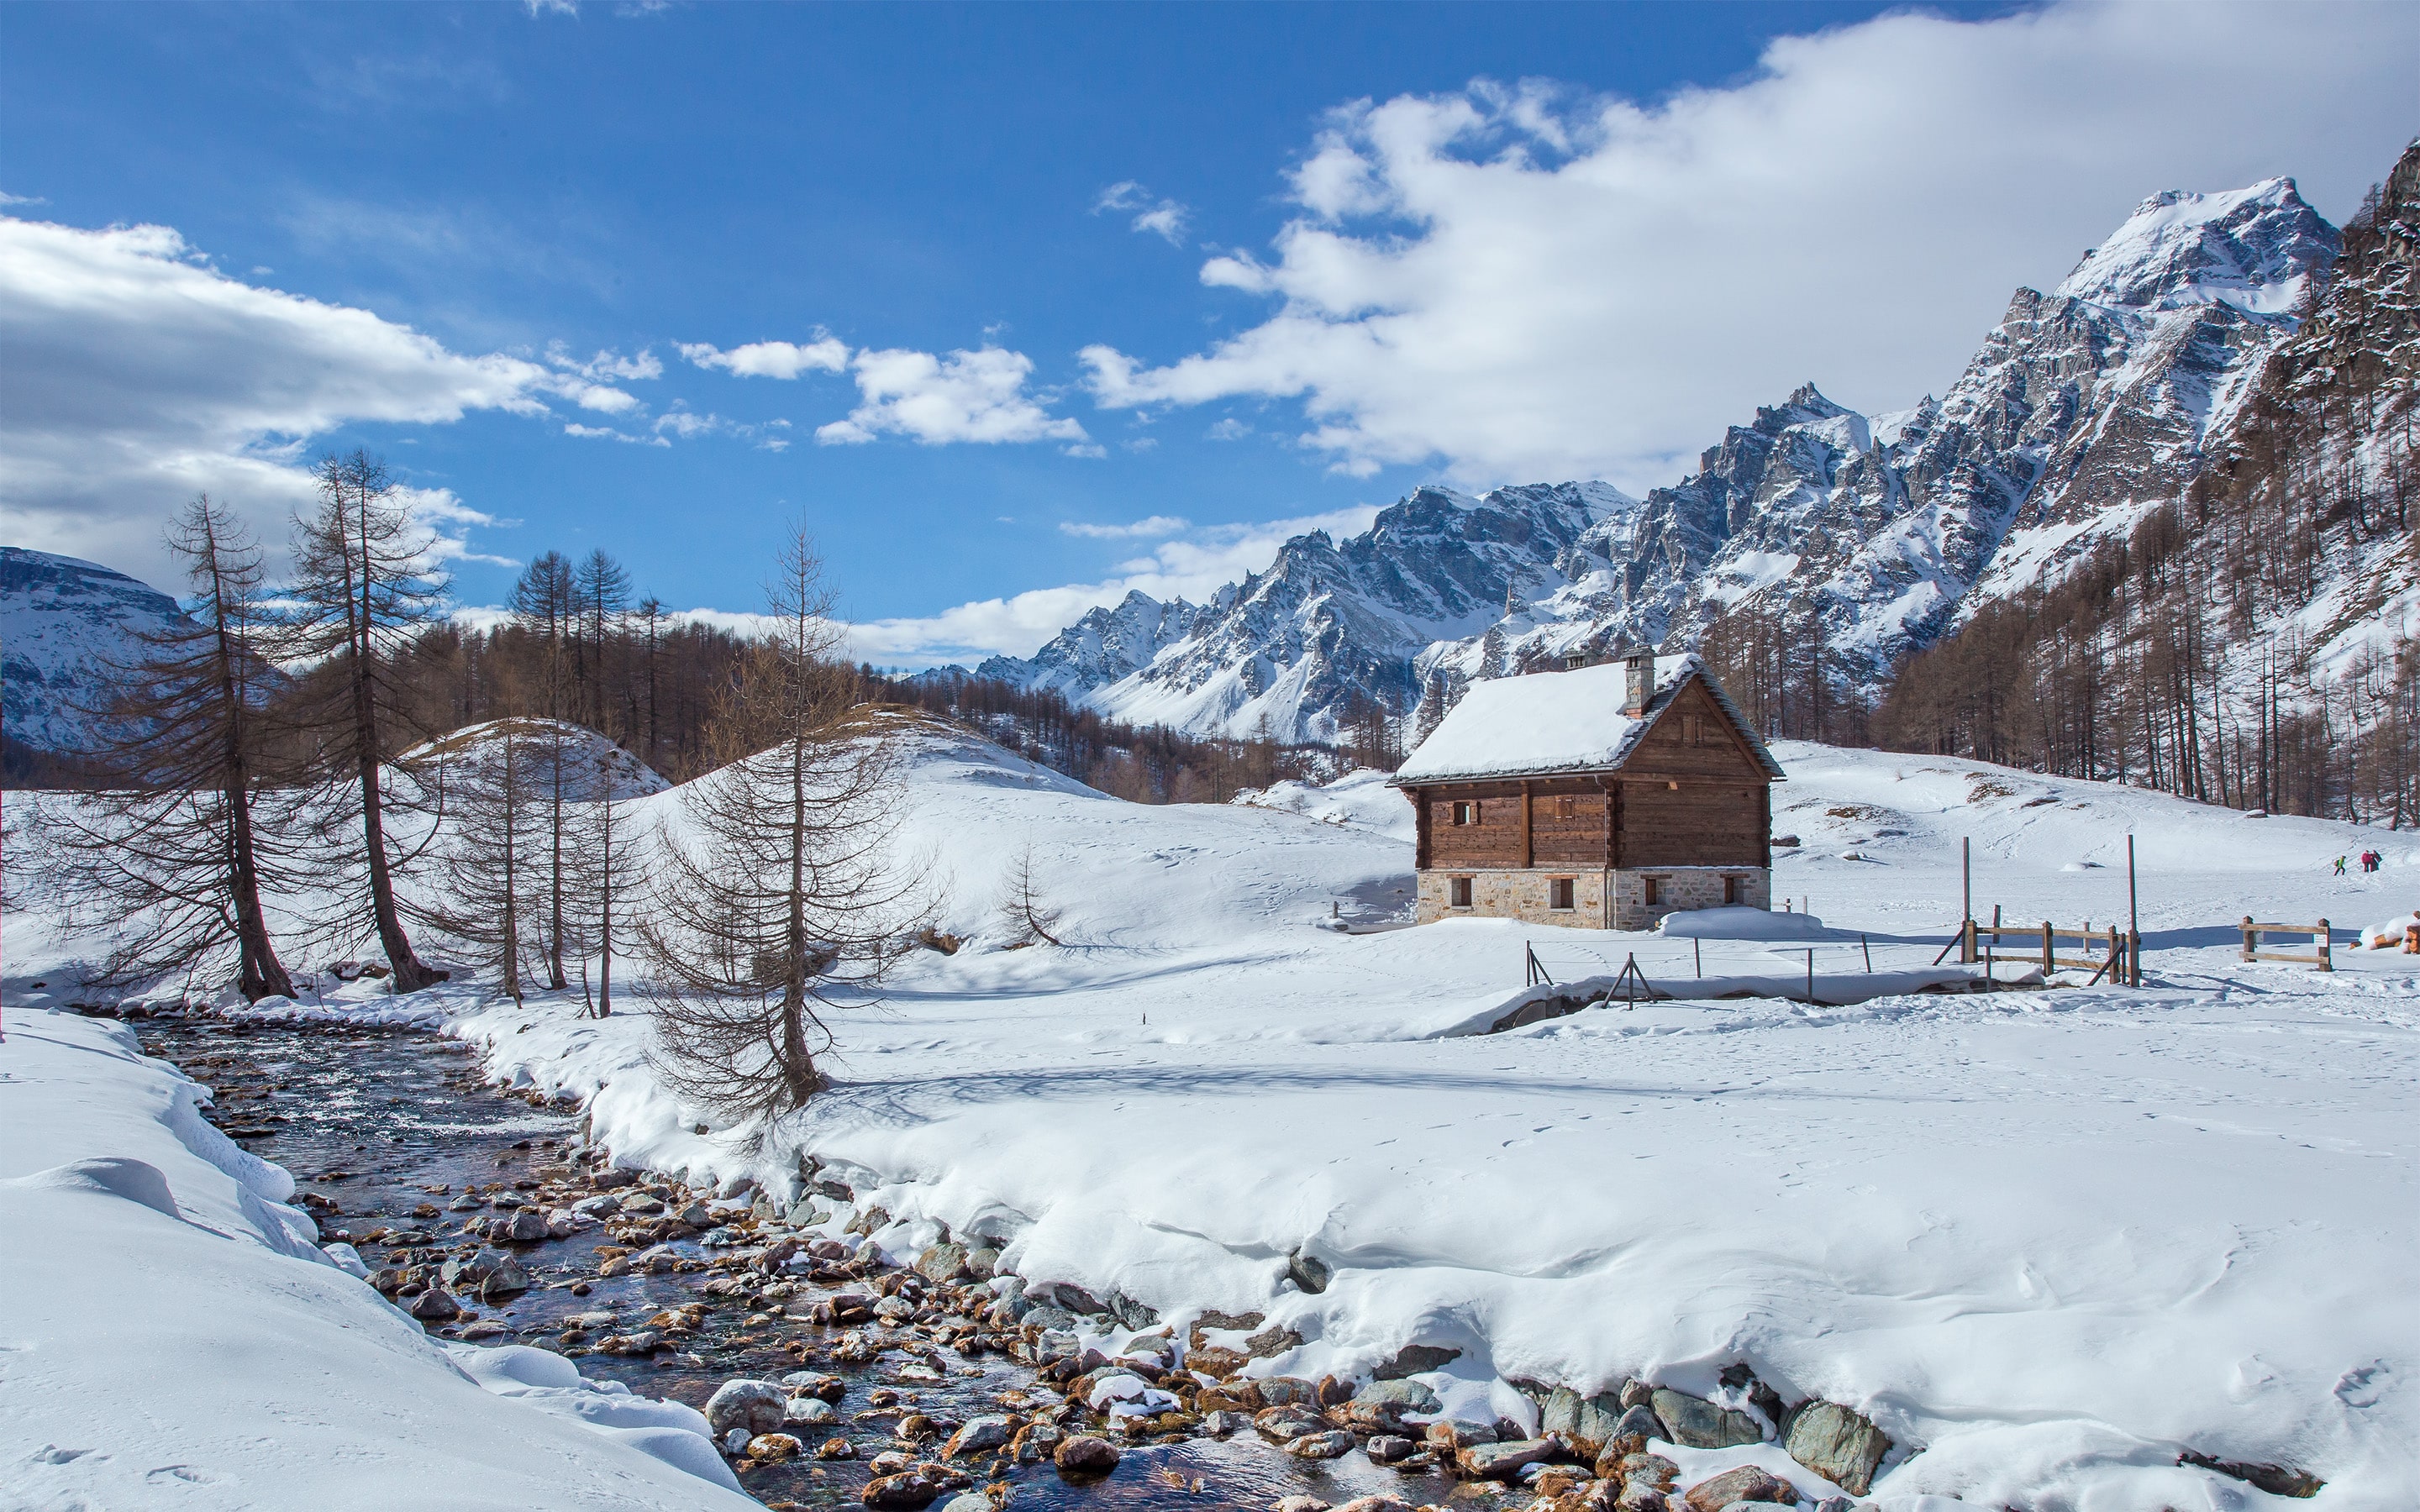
1638	679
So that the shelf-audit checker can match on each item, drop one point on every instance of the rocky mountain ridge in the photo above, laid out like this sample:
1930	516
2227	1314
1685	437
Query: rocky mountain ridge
63	621
2082	409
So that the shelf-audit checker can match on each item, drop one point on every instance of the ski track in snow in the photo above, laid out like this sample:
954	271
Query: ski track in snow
2050	1237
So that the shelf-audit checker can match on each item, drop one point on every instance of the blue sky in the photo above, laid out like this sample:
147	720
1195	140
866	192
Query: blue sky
1222	270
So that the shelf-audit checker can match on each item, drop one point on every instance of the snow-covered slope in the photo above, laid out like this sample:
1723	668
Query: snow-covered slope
62	622
2046	1241
2082	408
592	764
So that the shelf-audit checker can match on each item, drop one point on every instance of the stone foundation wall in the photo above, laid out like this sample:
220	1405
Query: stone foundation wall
1602	900
1516	894
1684	887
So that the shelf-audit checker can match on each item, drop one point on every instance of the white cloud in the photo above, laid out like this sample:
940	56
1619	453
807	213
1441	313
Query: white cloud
603	368
7	198
958	396
1527	283
771	359
1164	218
608	433
1155	525
1194	569
137	376
1229	429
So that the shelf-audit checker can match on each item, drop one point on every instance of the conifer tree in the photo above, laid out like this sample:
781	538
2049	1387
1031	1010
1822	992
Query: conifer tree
365	582
169	853
778	892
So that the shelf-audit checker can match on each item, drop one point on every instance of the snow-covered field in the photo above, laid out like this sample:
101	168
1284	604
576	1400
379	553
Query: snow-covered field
2046	1240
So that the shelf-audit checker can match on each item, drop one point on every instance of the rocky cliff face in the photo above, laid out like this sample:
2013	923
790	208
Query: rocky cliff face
62	622
2082	409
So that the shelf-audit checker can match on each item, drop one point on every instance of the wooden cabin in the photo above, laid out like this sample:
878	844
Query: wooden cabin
1602	797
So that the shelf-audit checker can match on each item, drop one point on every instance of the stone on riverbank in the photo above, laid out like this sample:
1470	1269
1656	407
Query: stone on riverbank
1334	1444
759	1406
1746	1484
1695	1423
435	1305
1503	1462
1086	1455
1588	1424
1836	1443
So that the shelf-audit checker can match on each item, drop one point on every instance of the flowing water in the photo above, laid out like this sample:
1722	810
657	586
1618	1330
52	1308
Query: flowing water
380	1124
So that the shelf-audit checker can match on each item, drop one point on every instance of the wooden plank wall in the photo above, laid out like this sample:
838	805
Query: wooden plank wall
1716	815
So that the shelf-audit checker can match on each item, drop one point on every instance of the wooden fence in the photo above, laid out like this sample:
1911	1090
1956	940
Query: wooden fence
2324	958
2120	958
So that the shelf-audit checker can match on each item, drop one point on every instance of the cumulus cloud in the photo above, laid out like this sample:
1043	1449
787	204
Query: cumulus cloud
1194	569
137	376
1141	529
956	396
1163	218
771	359
1523	282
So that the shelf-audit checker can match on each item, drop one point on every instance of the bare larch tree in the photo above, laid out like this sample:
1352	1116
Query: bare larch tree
363	580
1022	907
776	893
168	853
495	807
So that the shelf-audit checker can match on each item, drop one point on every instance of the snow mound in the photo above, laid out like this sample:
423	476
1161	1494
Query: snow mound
592	765
2391	933
1358	798
1743	924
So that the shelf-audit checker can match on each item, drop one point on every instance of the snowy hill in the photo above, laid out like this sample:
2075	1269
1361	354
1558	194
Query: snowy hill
592	764
2083	407
61	622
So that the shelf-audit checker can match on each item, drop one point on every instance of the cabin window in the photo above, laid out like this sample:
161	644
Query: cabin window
1558	890
1466	813
1458	890
1566	808
1654	890
1733	886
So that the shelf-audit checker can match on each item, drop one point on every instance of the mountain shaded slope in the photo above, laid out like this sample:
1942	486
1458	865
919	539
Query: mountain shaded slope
62	622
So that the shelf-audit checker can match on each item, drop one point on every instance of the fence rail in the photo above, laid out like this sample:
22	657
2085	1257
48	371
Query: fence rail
2120	958
2324	954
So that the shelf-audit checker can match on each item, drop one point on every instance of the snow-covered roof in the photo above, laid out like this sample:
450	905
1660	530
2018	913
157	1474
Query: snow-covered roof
1567	721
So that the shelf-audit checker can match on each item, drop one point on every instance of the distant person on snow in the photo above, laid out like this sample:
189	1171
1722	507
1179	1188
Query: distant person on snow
2341	861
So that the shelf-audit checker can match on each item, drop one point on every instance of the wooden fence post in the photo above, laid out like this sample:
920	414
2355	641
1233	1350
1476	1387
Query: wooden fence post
2133	956
2049	957
2248	944
2327	951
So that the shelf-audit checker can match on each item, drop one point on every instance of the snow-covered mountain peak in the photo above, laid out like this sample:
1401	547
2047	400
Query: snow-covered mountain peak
2255	248
63	621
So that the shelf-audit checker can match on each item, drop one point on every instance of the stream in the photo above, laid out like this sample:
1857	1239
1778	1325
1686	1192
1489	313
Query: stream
397	1134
